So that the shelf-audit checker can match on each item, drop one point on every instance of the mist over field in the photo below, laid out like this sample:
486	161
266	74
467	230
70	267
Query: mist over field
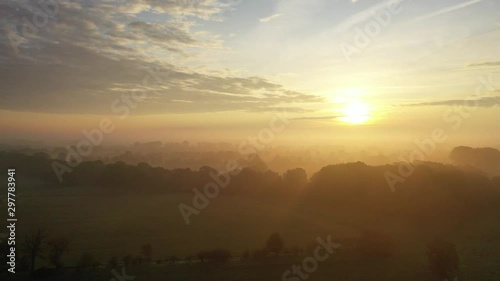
127	208
239	140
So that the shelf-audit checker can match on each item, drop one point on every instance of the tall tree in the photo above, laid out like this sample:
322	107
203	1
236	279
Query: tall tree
275	243
35	244
147	252
86	261
57	248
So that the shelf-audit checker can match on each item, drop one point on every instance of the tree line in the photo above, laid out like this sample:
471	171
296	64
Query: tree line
370	247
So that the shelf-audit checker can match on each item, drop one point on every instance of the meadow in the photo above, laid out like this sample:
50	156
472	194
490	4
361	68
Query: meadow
107	223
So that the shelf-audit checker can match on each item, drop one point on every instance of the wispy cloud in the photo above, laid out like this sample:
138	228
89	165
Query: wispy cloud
364	15
481	102
88	58
270	18
448	10
318	117
485	64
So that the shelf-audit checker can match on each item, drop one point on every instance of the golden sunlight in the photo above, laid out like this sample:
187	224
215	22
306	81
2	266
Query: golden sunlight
356	113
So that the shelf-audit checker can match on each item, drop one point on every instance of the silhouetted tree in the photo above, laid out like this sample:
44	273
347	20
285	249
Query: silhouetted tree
86	261
275	243
113	262
173	259
35	243
463	155
246	254
127	260
147	252
139	260
443	259
57	248
296	178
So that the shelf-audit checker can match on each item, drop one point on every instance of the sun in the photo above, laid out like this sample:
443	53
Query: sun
356	113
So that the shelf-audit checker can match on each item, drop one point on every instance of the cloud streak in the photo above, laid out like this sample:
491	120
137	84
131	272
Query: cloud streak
485	64
365	15
318	117
270	18
482	102
448	10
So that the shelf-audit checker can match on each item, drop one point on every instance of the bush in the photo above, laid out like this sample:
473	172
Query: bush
275	244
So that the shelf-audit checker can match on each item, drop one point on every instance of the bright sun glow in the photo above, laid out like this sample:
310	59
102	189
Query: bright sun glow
356	113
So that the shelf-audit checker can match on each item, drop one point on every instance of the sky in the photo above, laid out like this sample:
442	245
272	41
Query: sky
339	70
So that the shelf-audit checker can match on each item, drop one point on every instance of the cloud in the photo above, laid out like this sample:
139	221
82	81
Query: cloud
318	118
202	9
270	18
485	64
448	10
481	102
365	15
162	32
89	55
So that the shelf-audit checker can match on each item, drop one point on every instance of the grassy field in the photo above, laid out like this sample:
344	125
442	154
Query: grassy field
335	268
115	225
107	224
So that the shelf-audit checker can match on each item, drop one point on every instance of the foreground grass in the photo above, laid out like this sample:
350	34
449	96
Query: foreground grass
108	224
338	267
